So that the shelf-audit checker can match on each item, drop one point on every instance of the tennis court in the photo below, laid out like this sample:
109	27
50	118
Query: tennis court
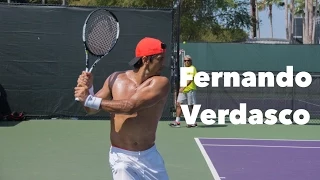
248	158
66	149
78	149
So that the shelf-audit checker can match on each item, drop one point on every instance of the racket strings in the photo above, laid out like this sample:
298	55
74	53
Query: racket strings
101	32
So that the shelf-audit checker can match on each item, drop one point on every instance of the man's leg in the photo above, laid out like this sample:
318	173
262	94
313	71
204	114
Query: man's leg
154	165
124	171
121	166
181	99
191	97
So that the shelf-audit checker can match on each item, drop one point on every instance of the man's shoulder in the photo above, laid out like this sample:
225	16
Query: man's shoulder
192	67
161	83
117	74
160	79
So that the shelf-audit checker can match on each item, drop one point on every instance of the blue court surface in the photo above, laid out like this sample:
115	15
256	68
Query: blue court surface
261	159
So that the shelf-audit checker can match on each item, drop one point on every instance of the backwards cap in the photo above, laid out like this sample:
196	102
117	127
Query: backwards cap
146	47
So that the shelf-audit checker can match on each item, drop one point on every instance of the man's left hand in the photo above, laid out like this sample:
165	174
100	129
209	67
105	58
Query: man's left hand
81	92
181	89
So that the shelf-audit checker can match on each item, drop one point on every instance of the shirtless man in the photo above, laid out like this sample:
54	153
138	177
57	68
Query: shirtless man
135	99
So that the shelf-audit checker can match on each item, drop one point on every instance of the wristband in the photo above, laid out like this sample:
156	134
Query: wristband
93	102
91	91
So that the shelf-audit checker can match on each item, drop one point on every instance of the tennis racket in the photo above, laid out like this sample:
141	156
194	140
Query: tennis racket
100	34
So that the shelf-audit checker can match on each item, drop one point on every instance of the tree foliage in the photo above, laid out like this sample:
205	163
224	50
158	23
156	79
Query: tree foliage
214	20
201	20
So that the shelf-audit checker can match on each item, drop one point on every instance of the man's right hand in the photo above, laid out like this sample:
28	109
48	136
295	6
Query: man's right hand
86	78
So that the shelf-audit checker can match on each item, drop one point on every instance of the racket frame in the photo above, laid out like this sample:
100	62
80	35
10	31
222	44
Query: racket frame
87	50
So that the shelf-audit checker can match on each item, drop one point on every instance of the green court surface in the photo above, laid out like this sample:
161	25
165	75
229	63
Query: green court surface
78	149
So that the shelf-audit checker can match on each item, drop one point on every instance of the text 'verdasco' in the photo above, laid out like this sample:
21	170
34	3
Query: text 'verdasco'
240	116
265	79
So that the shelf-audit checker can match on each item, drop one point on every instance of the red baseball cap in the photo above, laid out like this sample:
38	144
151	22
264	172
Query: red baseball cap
146	47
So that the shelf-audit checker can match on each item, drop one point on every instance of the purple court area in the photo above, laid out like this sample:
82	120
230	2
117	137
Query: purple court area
249	159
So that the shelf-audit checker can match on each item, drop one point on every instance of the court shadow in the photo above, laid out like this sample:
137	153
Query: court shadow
311	124
5	123
4	104
212	126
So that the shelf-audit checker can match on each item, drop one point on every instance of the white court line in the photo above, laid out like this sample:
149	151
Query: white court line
297	147
208	160
262	139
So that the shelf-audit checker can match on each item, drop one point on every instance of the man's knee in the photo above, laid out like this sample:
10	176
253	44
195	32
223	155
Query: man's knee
191	101
178	104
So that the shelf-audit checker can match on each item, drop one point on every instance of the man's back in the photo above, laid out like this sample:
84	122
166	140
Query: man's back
135	131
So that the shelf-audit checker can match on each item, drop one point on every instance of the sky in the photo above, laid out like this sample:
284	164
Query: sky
278	23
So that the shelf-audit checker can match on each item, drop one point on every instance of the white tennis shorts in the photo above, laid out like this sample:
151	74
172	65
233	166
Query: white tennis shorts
187	98
141	165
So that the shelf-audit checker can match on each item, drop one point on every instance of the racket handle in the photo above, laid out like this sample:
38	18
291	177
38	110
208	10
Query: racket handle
77	99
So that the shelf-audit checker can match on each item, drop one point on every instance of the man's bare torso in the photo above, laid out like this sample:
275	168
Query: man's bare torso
137	131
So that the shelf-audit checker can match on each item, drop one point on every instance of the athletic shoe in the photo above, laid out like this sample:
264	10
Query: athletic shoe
175	124
192	125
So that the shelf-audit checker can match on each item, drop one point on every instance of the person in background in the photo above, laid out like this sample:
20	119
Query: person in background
187	95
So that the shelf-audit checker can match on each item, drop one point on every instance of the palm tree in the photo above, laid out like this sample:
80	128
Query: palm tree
287	18
308	9
253	18
268	5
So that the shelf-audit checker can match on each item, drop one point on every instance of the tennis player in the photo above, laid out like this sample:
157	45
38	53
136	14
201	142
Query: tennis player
135	99
187	95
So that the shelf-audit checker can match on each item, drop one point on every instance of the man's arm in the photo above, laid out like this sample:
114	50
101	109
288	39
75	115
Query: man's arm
189	81
104	93
148	96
